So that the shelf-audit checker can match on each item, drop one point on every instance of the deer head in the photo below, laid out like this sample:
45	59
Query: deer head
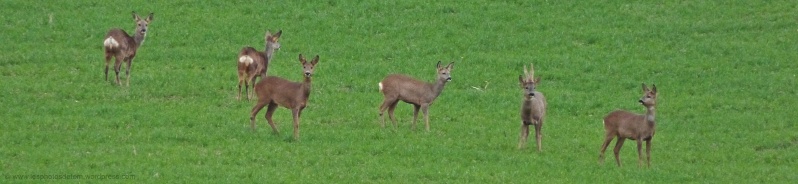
444	73
528	81
307	67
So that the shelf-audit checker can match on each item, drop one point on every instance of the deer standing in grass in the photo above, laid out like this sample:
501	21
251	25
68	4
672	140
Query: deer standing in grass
123	47
627	125
274	91
252	63
397	87
533	108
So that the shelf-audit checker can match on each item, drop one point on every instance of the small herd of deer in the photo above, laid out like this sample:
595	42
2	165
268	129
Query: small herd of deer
274	91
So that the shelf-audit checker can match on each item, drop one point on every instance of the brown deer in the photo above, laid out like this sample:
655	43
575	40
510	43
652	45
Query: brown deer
123	47
252	63
275	91
533	108
397	87
628	125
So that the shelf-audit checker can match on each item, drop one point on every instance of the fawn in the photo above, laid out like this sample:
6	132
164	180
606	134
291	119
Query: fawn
533	108
123	47
628	125
252	63
275	91
397	87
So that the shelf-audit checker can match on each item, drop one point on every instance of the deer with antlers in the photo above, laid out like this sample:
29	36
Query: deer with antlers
627	125
252	63
274	91
396	87
121	46
533	107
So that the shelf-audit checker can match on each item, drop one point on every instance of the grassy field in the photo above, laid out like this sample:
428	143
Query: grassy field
725	71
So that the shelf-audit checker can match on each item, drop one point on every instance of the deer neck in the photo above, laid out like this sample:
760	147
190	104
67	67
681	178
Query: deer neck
306	87
269	51
650	112
437	87
138	38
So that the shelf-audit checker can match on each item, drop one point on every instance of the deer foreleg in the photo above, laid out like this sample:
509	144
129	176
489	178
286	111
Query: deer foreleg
648	152
538	136
296	112
425	110
639	152
524	134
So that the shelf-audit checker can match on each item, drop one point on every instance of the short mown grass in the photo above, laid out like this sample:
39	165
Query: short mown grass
726	73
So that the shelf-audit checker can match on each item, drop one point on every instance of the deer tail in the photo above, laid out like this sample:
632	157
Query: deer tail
110	43
380	84
245	59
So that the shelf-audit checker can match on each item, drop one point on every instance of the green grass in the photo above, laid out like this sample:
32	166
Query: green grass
725	70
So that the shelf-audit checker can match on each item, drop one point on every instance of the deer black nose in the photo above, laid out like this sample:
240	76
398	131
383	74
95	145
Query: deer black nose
641	101
449	79
307	74
531	94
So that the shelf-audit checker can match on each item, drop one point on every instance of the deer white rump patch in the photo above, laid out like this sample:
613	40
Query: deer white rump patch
110	42
380	86
245	60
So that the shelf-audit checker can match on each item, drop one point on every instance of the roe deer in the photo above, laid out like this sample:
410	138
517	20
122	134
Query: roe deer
274	91
628	125
533	108
397	87
252	63
123	47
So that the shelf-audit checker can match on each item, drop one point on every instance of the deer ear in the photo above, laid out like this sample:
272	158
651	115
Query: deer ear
645	88
537	80
279	32
136	16
315	60
438	65
654	88
302	59
268	34
450	65
149	18
521	80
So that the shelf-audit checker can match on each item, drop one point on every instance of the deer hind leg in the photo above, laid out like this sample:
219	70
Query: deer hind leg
117	67
607	139
386	103
269	112
415	116
250	83
538	135
108	56
617	150
240	81
255	111
127	71
524	134
391	109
